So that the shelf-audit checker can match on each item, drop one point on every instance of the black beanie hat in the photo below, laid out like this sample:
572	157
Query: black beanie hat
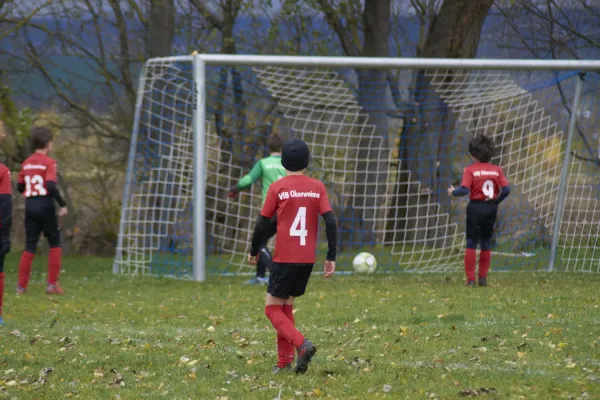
295	155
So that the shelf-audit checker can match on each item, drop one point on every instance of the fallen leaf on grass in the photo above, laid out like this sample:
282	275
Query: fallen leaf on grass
476	392
43	375
520	354
119	380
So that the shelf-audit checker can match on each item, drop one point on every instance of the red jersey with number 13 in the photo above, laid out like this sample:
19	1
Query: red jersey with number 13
484	180
36	170
298	201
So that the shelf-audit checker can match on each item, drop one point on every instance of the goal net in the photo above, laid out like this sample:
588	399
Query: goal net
387	143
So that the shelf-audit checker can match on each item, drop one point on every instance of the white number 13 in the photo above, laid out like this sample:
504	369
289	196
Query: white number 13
298	228
488	189
34	186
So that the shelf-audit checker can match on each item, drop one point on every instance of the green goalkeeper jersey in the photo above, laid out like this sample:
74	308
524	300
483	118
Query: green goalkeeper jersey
269	169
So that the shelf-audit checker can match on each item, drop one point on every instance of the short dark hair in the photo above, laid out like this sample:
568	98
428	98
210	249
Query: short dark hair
40	137
274	143
482	148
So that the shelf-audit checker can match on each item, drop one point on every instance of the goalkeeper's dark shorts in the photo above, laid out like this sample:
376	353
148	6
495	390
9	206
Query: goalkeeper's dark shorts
481	217
288	280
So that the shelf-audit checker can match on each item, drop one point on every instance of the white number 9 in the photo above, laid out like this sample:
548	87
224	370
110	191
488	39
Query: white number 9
488	189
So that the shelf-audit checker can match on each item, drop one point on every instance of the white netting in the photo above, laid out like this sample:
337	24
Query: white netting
410	229
580	229
336	129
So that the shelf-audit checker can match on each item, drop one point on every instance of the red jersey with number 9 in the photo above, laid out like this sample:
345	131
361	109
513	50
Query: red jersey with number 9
298	201
484	180
35	172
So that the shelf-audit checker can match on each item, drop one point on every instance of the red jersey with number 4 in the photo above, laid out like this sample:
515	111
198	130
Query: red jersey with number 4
298	201
484	180
35	172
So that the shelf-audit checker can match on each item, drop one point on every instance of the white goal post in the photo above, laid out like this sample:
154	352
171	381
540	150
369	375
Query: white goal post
179	166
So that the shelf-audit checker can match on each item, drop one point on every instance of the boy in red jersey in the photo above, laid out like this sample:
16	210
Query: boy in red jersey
5	218
487	186
37	182
297	200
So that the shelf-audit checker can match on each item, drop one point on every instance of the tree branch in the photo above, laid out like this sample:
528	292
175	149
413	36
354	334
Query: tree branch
35	62
212	18
24	20
124	54
335	22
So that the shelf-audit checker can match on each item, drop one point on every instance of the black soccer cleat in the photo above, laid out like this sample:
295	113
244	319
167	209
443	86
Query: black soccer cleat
471	284
305	355
286	368
482	281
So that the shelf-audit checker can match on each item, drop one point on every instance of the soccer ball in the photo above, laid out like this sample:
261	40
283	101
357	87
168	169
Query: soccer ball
364	263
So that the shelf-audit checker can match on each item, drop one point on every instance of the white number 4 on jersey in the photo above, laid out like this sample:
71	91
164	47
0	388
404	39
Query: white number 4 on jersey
298	228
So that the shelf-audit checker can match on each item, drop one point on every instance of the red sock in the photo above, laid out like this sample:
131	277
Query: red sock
470	259
484	262
25	268
285	350
54	265
284	326
1	290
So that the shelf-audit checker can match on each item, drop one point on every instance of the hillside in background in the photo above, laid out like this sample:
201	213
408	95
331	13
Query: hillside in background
82	77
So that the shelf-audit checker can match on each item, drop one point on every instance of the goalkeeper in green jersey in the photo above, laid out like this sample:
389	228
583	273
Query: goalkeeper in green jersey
268	170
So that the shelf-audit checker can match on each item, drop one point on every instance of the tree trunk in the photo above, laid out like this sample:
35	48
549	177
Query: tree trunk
372	83
159	41
453	33
162	28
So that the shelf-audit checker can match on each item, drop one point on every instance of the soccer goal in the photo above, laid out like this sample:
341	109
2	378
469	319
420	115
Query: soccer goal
387	136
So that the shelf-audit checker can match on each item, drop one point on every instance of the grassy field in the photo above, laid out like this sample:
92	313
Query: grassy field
405	336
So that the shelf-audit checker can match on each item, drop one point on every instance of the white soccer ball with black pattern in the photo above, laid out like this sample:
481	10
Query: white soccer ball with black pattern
365	263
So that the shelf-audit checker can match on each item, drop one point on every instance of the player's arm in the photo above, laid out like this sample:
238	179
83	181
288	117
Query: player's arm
21	182
260	232
51	185
459	191
504	188
464	188
247	180
262	226
330	231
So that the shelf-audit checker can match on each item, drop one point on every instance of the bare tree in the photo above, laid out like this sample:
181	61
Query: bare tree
372	20
453	31
555	29
449	28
